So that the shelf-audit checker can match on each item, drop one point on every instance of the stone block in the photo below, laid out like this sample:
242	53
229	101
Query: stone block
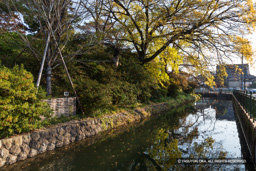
66	141
42	148
45	134
25	148
96	131
17	141
60	131
52	140
87	134
89	123
78	127
59	144
34	145
60	138
35	136
52	133
93	126
68	128
88	128
73	133
79	137
43	141
83	123
51	146
7	143
73	139
4	153
26	139
22	156
32	153
79	132
93	122
67	135
93	132
2	162
11	159
15	150
99	128
83	128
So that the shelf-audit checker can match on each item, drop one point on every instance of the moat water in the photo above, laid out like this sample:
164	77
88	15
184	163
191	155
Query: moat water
200	136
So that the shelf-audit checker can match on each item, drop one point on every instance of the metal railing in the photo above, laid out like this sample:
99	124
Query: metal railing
248	102
214	91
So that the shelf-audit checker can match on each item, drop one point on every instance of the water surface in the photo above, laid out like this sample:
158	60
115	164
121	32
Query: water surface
194	137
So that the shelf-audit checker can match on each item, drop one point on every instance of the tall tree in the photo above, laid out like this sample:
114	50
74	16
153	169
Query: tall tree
201	30
45	20
54	22
102	25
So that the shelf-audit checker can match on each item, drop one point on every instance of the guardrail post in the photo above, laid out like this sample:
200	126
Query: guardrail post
246	102
253	107
250	105
242	98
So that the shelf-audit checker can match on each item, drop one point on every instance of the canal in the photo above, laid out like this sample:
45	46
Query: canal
200	136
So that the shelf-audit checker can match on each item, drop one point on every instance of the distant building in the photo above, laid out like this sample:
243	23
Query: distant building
237	74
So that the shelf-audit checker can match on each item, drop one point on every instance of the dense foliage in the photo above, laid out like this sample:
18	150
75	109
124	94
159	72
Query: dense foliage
180	82
101	85
118	53
20	107
123	54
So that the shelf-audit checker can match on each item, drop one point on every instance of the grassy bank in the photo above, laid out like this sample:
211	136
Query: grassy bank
146	109
172	102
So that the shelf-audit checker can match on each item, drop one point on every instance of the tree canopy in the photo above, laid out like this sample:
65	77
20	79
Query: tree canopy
203	32
164	34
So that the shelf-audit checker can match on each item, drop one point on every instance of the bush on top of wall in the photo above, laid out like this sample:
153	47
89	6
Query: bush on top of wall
20	107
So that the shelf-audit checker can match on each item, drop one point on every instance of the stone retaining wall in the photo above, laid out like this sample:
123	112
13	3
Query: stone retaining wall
30	144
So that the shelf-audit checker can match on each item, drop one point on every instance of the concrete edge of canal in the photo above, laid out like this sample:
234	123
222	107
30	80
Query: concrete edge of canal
248	128
27	145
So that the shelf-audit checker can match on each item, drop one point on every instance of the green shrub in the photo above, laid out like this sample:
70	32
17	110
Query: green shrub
124	93
20	108
179	82
93	95
133	72
191	87
173	90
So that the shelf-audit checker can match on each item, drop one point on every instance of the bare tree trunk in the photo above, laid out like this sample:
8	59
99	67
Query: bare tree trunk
48	79
115	58
48	72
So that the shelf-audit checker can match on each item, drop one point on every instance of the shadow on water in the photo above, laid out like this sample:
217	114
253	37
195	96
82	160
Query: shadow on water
205	131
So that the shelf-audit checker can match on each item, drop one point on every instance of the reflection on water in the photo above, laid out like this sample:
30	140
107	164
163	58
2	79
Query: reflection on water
206	130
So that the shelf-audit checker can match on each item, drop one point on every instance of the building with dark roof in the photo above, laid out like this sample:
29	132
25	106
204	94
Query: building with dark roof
237	75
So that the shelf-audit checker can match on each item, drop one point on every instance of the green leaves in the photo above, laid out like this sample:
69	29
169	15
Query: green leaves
19	107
